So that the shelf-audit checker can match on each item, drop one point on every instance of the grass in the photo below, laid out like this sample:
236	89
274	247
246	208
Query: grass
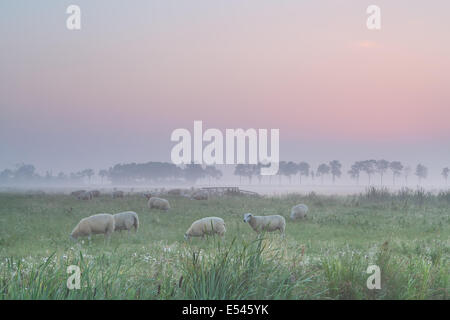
323	257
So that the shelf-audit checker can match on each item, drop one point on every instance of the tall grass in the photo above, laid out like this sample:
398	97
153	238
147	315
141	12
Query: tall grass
237	271
414	278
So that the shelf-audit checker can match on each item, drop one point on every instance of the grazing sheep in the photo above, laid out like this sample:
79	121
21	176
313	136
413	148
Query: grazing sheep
299	211
266	223
125	221
200	195
147	195
158	203
117	194
85	196
77	193
174	192
95	193
102	223
206	226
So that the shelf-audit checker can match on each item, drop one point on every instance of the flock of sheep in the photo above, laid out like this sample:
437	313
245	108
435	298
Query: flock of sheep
105	223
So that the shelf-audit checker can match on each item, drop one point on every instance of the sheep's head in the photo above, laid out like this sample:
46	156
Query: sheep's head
73	237
247	217
186	236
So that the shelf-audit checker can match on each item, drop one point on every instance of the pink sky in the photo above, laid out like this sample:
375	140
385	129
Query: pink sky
117	88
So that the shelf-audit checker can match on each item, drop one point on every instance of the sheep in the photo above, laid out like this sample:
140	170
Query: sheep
266	223
200	195
125	221
95	193
102	223
158	203
77	193
206	226
174	192
299	211
147	195
117	194
85	196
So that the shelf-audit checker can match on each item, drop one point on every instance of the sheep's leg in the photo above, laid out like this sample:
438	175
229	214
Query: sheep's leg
107	238
282	233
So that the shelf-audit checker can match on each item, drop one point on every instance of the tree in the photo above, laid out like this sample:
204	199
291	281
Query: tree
396	168
24	172
193	172
151	171
212	172
246	170
355	171
6	175
88	173
48	176
61	176
368	166
287	169
406	172
303	170
335	168
239	170
421	172
257	171
381	167
445	173
323	170
103	174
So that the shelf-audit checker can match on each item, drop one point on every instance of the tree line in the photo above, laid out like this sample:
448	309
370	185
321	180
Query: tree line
333	169
129	173
163	172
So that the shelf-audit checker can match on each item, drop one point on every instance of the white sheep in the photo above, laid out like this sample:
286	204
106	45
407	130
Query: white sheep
85	196
125	221
95	193
174	192
118	194
206	226
266	223
102	223
299	211
77	193
200	195
158	203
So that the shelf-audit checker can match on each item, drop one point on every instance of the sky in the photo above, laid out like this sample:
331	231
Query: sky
115	90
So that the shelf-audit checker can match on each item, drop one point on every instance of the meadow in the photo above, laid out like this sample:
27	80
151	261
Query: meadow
324	256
